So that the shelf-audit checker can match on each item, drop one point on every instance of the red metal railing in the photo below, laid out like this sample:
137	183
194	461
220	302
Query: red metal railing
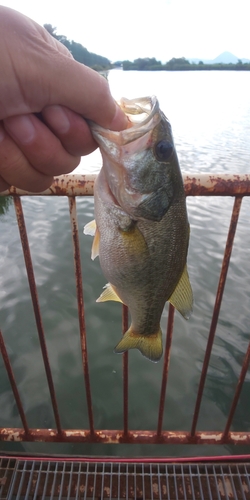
237	186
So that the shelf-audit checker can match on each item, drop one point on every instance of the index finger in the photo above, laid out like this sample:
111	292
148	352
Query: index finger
86	92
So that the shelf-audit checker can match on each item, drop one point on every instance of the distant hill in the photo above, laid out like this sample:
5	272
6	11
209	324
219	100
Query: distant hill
224	57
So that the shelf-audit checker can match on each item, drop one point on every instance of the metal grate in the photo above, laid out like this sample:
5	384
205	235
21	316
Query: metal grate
49	479
237	186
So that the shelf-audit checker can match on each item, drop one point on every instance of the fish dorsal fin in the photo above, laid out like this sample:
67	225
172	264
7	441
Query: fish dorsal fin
109	293
90	228
95	245
149	345
182	297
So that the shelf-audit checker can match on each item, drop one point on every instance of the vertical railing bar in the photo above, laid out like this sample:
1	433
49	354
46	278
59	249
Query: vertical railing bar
218	300
232	483
216	483
78	482
119	481
70	481
23	473
46	472
237	392
200	485
36	308
27	492
208	482
135	477
62	481
175	482
159	481
80	302
102	485
13	480
167	481
143	481
151	481
224	483
169	335
191	482
125	373
126	481
5	476
247	475
54	482
183	484
38	481
239	475
15	391
94	485
110	480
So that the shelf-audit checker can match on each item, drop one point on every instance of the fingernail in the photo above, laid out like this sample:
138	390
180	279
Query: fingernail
57	119
120	120
20	128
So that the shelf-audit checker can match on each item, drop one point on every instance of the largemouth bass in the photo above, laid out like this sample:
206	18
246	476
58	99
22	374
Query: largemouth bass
141	232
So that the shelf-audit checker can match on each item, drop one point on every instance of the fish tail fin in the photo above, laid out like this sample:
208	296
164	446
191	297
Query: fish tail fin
149	345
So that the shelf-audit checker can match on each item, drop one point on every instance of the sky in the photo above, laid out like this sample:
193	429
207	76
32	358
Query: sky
128	29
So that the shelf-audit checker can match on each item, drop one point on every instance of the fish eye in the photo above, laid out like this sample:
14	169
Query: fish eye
163	150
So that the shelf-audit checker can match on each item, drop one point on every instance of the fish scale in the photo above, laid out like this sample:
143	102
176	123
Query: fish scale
142	232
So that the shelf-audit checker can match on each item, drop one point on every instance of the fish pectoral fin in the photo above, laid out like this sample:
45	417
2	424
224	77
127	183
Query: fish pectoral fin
149	345
90	228
95	245
109	293
182	296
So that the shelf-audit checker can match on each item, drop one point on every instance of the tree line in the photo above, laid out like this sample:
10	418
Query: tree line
80	53
179	64
100	63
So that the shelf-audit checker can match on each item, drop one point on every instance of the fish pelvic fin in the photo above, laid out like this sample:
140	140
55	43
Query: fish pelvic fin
149	345
182	296
109	293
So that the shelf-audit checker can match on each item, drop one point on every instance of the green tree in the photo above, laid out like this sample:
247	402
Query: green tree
5	202
80	53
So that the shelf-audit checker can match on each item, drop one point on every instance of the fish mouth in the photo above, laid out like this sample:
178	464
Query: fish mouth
144	115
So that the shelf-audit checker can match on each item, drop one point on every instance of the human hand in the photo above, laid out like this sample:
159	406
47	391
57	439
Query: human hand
45	99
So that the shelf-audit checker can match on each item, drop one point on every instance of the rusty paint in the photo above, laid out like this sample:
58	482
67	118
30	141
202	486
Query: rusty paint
216	311
36	308
195	185
217	185
10	373
117	436
169	336
71	185
242	376
80	302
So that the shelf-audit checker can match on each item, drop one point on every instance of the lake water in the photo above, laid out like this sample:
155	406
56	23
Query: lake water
210	117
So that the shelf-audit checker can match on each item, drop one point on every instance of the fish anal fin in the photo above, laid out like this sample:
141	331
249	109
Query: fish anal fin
95	245
90	228
182	296
149	345
109	293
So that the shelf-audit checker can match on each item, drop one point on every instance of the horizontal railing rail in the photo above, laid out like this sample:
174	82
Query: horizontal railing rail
195	185
236	186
